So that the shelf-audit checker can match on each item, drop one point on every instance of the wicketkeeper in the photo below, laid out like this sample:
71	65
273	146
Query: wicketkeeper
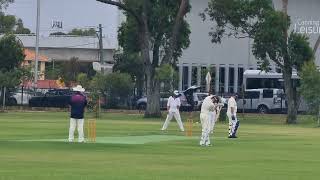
208	106
232	116
173	106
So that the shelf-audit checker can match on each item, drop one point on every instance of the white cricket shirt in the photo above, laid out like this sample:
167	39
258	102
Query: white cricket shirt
173	103
207	105
232	104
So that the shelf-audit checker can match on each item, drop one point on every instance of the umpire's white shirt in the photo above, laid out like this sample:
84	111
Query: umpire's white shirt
173	103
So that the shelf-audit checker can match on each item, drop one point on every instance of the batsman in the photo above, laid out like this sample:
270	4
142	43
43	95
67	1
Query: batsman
232	116
208	106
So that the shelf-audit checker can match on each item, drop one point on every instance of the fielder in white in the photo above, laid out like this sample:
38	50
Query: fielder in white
232	116
208	106
173	106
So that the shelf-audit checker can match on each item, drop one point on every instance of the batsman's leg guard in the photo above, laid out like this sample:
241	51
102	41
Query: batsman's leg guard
236	128
230	128
212	122
203	128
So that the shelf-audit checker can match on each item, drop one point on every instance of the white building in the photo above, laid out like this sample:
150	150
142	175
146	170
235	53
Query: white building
228	60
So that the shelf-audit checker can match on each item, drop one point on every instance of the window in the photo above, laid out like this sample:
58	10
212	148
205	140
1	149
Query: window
201	97
240	79
258	83
268	93
221	79
252	95
203	79
185	77
231	80
194	79
213	82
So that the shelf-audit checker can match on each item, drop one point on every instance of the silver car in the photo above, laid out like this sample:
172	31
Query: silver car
197	98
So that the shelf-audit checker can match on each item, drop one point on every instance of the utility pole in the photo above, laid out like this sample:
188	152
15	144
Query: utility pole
100	47
37	45
99	35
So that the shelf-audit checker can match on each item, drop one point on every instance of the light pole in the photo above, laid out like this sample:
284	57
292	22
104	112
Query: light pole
37	45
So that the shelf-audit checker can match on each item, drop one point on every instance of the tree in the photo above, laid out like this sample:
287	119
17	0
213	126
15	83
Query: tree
316	46
11	53
156	25
9	24
83	80
115	87
310	85
11	56
70	70
131	64
21	29
4	3
269	28
118	85
57	34
83	32
168	77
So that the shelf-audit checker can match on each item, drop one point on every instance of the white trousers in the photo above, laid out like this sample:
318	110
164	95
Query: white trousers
170	115
73	124
206	127
232	124
212	119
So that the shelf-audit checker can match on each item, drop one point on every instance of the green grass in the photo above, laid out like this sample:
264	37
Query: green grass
267	149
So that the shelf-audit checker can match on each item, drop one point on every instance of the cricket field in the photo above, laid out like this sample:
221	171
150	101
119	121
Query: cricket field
33	146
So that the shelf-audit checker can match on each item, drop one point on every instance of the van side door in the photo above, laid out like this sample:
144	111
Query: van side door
268	98
252	98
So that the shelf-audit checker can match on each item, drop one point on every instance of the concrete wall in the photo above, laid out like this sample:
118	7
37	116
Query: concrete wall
85	55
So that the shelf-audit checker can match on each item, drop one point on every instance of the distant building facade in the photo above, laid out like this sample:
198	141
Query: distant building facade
63	48
227	61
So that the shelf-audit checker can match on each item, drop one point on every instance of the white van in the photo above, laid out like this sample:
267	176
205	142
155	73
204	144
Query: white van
262	100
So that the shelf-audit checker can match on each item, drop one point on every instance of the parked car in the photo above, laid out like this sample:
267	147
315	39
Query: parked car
23	98
197	98
262	100
53	98
141	103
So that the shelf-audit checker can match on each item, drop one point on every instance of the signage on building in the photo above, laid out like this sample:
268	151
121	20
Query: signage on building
56	24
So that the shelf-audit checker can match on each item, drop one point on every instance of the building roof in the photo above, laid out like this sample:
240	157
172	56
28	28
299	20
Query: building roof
66	41
45	84
31	56
264	74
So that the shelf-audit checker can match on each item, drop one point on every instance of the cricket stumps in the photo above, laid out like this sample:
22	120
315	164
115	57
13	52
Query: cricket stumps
91	130
189	127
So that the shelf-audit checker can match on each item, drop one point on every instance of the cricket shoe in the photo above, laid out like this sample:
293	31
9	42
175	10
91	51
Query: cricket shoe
232	137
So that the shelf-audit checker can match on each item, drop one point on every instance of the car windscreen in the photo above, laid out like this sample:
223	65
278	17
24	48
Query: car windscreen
201	97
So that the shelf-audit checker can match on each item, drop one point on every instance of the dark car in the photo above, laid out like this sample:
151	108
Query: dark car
53	98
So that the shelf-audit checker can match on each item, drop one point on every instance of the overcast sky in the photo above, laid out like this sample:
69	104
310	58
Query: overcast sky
73	14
